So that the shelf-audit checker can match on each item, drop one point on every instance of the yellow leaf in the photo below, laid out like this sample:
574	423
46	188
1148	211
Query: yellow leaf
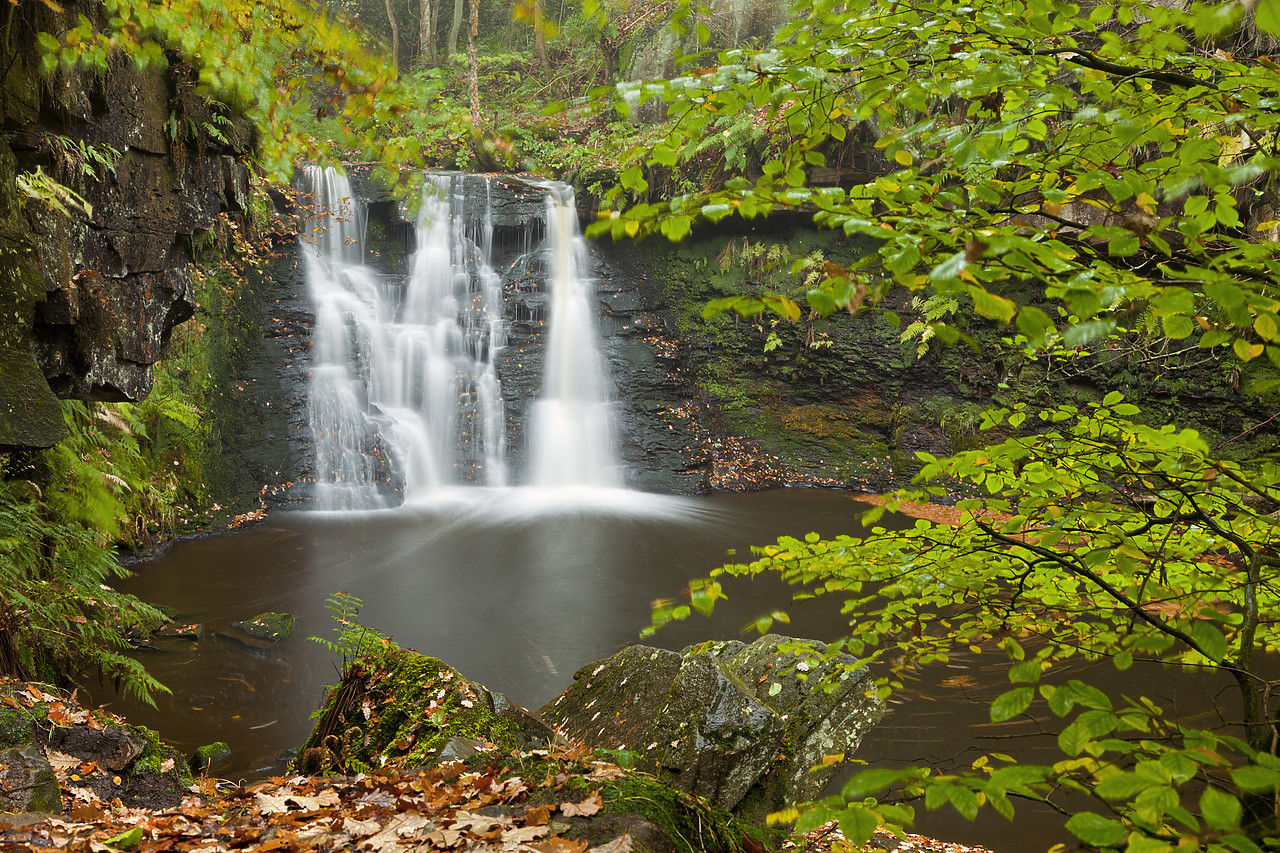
903	157
632	227
1147	202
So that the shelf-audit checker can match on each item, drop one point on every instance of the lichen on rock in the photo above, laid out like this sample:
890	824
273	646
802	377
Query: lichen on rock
742	725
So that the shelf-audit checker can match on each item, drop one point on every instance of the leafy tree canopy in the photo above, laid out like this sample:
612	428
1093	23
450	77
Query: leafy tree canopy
1116	152
1095	157
274	62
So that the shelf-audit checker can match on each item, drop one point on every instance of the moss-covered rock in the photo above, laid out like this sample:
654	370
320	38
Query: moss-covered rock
741	725
97	754
271	627
27	781
208	755
398	704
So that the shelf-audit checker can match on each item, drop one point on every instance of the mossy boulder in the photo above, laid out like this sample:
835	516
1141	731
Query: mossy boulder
92	752
27	781
399	704
741	725
269	627
208	755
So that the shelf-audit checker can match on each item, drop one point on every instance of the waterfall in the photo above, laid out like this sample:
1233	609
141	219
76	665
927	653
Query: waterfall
572	423
404	395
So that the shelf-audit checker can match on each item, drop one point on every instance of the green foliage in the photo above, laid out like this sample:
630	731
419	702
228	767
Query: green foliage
353	639
1093	148
58	615
1095	537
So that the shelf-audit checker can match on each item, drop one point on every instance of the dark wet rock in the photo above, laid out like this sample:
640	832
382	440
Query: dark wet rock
29	412
397	704
180	631
92	294
92	751
208	755
738	724
269	627
27	782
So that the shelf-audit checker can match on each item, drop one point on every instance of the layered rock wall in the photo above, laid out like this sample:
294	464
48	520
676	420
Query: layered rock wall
91	291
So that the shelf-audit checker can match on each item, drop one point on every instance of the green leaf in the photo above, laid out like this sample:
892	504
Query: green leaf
857	824
867	782
1027	672
1122	786
1177	326
1209	638
991	306
1265	324
1220	810
1096	830
1035	324
1266	14
1255	779
1011	704
126	840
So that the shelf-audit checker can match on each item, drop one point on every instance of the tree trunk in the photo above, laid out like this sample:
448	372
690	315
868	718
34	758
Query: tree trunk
452	47
473	65
427	33
395	36
540	37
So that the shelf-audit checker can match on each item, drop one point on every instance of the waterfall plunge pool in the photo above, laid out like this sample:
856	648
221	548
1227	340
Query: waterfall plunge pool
518	591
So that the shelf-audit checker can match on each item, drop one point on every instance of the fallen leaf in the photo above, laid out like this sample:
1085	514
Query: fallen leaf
586	808
621	844
537	817
514	837
560	845
272	804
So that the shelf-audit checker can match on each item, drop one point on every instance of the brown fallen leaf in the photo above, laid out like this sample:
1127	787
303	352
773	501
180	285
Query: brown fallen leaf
560	845
514	837
621	844
586	808
537	817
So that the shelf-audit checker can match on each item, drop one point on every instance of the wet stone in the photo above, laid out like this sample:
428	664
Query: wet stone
269	627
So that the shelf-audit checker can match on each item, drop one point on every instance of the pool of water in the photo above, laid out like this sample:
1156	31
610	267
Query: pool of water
517	591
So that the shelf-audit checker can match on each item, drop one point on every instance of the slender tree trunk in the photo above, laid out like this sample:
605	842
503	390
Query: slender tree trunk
435	29
395	36
473	64
427	33
540	37
452	47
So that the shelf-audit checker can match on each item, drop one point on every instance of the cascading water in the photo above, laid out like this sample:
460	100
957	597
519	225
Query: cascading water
573	436
404	395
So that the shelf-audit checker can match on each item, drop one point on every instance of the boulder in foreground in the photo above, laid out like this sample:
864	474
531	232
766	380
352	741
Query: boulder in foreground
753	728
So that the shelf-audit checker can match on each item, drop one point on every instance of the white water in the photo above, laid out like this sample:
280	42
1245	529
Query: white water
573	436
403	383
404	388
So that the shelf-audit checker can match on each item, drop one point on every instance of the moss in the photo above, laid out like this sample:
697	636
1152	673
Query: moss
16	727
209	755
154	755
398	704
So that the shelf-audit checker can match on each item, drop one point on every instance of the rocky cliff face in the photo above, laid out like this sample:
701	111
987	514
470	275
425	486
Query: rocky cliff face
90	292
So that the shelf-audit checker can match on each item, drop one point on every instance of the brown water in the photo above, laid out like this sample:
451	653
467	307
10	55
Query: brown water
518	594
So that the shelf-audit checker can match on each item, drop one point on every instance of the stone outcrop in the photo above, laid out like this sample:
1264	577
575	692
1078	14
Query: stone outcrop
92	290
741	725
50	745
